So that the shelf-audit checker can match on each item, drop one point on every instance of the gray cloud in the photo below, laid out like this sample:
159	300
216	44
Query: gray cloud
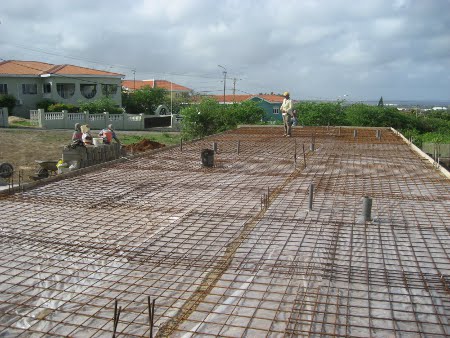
315	49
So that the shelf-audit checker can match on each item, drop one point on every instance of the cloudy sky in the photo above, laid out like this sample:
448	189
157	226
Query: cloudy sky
316	49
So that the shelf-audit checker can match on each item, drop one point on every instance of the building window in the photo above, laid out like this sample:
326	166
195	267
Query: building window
29	89
276	110
88	90
47	88
3	88
109	89
65	90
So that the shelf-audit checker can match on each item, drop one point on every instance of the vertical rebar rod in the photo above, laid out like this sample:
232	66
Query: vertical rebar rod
304	156
20	179
295	154
311	196
151	315
238	147
116	318
355	133
215	147
181	144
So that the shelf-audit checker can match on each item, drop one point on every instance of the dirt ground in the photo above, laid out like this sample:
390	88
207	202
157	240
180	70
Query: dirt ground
22	147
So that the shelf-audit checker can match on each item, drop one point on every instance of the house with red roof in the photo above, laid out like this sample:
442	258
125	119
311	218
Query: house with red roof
174	88
271	103
31	82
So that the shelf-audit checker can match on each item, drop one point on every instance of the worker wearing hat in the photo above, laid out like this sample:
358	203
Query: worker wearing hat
286	111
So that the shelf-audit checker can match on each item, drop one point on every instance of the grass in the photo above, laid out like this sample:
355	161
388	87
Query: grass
125	138
164	138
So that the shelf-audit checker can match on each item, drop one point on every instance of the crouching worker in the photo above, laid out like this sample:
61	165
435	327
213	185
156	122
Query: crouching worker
87	137
108	134
77	134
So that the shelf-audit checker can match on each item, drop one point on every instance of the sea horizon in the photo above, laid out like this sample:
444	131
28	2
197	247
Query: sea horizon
425	103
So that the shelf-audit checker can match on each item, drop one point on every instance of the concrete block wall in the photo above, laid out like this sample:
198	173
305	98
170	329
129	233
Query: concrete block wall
92	155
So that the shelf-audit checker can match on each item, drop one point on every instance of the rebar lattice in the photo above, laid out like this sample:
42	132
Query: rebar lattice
235	249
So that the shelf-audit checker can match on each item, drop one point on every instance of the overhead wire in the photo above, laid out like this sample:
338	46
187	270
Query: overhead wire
141	73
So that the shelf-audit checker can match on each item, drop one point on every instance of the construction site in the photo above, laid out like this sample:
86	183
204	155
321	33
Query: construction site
333	232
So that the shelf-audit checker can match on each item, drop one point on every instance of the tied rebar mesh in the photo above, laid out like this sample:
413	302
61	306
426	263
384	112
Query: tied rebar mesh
236	249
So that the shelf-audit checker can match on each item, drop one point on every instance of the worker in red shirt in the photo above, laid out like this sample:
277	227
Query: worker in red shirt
108	134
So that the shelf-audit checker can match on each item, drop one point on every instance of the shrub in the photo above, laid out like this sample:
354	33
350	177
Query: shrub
58	107
104	104
320	113
8	101
44	104
209	117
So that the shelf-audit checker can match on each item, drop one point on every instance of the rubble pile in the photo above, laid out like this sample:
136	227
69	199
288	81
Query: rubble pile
143	145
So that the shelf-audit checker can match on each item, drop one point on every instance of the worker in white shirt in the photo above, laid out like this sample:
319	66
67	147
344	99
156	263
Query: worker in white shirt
286	111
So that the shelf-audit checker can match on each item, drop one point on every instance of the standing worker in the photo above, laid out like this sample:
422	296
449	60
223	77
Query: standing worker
286	111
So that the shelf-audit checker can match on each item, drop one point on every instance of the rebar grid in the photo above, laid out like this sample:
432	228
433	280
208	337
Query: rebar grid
196	240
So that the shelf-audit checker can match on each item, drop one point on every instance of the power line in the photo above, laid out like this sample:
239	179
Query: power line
68	56
105	65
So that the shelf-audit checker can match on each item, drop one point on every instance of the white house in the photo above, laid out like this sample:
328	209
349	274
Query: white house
31	82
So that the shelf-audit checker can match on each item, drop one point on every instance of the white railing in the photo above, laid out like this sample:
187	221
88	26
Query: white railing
76	116
66	120
54	116
34	117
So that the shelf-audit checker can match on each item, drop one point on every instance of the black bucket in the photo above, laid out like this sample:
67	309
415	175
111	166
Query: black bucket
208	157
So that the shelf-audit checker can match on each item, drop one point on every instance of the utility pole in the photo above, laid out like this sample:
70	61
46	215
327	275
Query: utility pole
234	87
134	79
224	82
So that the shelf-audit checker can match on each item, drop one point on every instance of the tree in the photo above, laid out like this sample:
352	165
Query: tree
380	102
209	117
144	100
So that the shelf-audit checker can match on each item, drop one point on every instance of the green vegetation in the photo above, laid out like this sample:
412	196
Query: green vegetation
209	117
164	138
8	101
21	123
431	127
144	100
45	104
104	104
320	114
58	107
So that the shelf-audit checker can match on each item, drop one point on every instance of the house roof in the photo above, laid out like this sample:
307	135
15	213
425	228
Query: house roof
15	67
138	84
271	98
